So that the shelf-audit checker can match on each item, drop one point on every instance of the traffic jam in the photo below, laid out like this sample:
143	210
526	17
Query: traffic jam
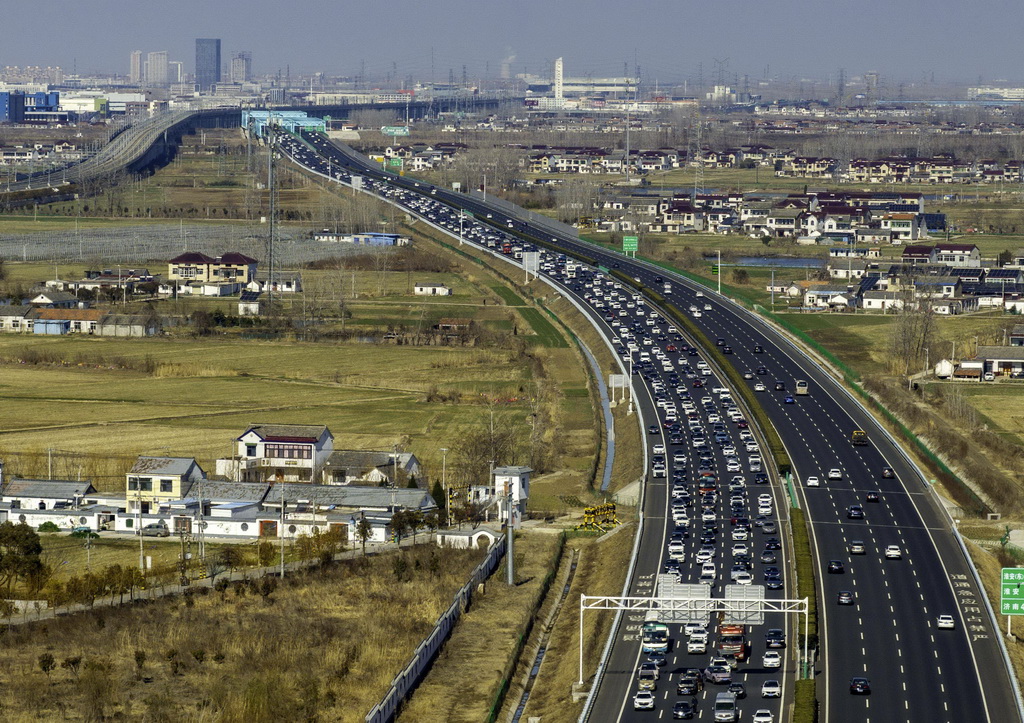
722	528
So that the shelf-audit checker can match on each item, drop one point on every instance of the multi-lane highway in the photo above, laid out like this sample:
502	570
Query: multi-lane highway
884	628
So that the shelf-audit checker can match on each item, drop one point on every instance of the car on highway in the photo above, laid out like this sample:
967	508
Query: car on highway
771	659
836	567
860	686
771	689
845	597
872	497
780	386
835	473
748	374
812	481
738	689
892	552
855	512
788	399
888	473
691	682
685	709
768	557
643	700
658	448
720	674
761	370
743	578
763	715
945	622
856	547
775	638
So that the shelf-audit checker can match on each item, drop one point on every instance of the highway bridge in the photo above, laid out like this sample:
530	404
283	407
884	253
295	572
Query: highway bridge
151	142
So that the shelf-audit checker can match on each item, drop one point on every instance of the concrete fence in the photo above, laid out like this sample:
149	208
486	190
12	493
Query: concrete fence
423	657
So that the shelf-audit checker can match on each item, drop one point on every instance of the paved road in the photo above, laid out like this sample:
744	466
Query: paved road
889	633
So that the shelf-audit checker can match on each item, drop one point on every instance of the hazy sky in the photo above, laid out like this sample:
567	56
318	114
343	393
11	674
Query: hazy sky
905	40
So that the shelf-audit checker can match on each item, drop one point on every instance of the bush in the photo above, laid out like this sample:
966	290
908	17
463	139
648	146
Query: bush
48	527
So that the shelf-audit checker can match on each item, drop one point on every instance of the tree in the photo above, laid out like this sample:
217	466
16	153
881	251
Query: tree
265	553
47	663
20	551
437	492
740	276
1004	257
231	557
364	531
414	518
398	525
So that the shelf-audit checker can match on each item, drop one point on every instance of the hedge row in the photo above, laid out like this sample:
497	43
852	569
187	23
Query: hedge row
805	709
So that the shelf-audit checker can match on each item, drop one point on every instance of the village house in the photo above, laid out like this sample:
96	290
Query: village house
279	453
431	289
155	480
346	467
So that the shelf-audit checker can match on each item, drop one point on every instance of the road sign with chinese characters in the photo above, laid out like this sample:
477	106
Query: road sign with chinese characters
1011	591
630	243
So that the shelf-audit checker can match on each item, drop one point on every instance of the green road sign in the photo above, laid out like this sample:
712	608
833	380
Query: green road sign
714	270
394	130
630	243
1011	591
395	162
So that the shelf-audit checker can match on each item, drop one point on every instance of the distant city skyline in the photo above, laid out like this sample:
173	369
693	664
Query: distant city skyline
671	42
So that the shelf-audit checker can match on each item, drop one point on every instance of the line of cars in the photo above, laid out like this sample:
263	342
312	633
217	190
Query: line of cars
721	529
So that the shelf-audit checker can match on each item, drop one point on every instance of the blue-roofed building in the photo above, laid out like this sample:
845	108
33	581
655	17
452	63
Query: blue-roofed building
1004	276
290	120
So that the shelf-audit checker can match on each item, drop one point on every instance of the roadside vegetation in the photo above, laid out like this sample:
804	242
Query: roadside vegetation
241	651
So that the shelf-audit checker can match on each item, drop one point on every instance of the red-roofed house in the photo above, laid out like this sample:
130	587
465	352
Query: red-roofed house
194	266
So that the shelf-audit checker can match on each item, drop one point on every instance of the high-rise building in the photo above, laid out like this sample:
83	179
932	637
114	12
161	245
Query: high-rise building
135	70
207	62
175	71
241	67
156	68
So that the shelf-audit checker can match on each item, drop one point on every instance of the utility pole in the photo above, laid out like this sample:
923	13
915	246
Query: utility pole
282	530
444	483
510	562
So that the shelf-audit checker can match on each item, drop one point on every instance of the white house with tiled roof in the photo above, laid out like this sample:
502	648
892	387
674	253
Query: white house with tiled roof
279	453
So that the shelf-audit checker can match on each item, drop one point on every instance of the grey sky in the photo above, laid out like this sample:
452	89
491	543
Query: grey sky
903	39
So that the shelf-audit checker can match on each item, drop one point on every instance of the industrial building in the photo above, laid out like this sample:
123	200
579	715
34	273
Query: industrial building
18	107
291	120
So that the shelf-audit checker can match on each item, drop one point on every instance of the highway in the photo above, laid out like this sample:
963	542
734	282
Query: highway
889	632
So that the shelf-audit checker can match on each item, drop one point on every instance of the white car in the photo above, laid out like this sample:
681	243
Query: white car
835	474
763	715
743	578
812	482
771	689
658	449
892	552
759	387
707	307
764	499
740	533
643	700
740	548
691	629
946	622
771	659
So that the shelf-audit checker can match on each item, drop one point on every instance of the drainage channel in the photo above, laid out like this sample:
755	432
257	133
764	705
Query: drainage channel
517	716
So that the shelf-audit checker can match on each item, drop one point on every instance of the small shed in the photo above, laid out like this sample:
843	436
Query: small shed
249	304
128	325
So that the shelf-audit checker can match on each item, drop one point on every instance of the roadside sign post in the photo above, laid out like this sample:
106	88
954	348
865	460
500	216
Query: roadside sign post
630	244
1011	593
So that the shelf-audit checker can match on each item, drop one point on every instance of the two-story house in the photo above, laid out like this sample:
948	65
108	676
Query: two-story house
194	266
279	453
155	480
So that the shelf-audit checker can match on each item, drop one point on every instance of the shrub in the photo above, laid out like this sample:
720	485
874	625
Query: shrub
48	527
